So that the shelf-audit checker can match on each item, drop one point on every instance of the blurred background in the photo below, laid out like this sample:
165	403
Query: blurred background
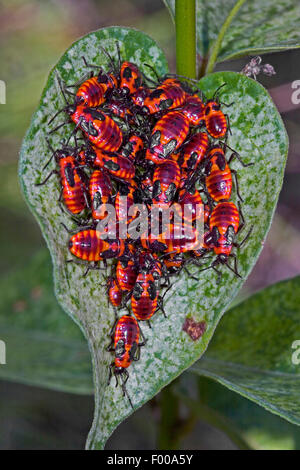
33	36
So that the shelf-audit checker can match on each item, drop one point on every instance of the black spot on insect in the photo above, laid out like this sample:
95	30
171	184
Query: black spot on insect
230	235
192	160
128	149
170	192
97	201
127	73
137	82
165	104
156	93
169	147
156	189
96	114
112	166
133	353
215	234
155	139
221	162
120	348
152	290
102	78
69	173
137	291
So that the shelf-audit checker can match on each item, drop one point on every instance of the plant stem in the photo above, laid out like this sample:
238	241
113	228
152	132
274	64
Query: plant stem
169	408
172	429
217	45
185	23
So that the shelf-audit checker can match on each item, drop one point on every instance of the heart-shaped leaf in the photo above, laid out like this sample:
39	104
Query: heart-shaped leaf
259	135
259	26
257	350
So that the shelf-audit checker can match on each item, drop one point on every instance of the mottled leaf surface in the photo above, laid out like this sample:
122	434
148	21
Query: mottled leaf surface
258	133
260	26
252	352
44	347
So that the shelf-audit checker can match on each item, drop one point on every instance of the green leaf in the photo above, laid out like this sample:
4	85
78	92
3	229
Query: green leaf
247	424
43	346
253	349
259	26
258	133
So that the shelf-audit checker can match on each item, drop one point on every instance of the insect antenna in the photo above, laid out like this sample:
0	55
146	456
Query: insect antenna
219	88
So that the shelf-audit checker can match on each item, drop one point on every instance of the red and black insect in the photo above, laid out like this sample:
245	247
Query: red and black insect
194	110
224	224
216	122
219	175
114	292
193	153
206	246
88	245
219	178
94	91
133	148
140	95
100	191
174	263
191	204
166	179
72	179
101	130
126	274
130	78
168	95
116	164
126	347
151	264
144	297
176	238
126	197
119	109
168	134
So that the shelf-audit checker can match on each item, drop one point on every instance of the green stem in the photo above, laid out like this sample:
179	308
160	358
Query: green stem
172	429
169	409
217	45
185	23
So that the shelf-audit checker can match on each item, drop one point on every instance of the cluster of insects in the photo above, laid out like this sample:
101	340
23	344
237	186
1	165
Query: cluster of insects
156	144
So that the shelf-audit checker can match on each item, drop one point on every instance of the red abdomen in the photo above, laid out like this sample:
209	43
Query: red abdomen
224	215
194	152
167	135
126	275
126	339
100	191
166	179
216	124
219	182
73	186
194	109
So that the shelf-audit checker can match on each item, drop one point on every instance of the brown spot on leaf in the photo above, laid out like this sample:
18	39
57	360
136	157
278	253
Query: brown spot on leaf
193	328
